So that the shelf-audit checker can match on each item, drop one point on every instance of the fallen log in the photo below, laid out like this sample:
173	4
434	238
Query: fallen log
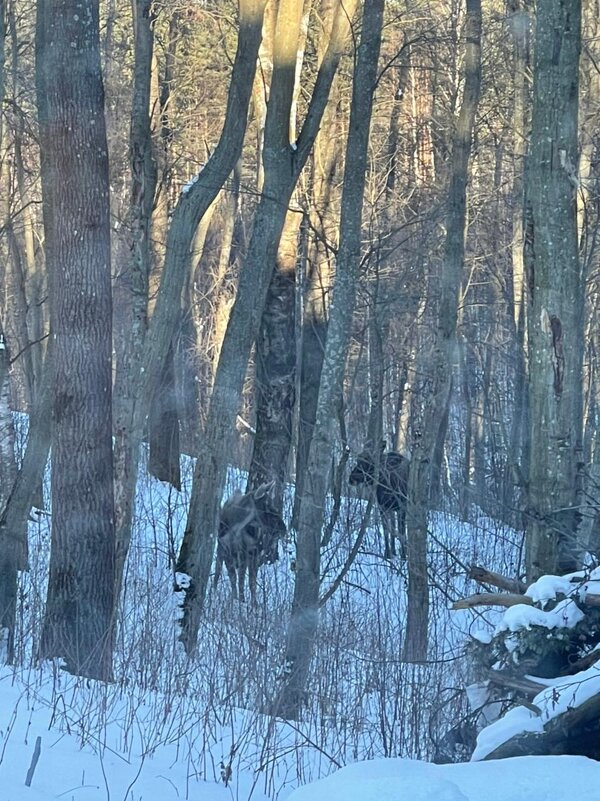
521	684
492	599
483	576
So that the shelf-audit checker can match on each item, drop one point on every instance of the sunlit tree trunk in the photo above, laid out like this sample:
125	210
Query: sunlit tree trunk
275	379
283	164
146	371
304	619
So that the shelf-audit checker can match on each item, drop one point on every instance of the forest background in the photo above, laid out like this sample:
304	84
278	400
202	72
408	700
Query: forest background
268	236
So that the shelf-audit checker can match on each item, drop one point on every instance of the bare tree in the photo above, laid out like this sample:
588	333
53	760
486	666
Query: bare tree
305	609
145	372
78	623
556	311
283	163
436	404
133	274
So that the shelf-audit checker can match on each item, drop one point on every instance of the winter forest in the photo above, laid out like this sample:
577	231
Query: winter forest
299	399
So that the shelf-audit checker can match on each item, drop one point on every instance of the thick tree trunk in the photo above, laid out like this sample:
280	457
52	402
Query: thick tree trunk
436	405
283	165
305	608
276	368
556	320
78	622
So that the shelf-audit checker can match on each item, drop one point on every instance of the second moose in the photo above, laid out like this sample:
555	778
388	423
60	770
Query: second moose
389	472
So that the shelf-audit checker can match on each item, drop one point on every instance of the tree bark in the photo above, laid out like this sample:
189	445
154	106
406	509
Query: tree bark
193	203
20	496
78	622
556	319
276	369
275	379
520	24
316	284
304	619
11	547
131	285
415	643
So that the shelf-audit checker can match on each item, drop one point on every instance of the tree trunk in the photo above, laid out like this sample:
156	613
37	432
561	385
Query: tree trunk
163	428
436	405
520	24
131	285
556	320
315	301
283	165
193	204
11	547
305	608
78	622
275	379
276	368
20	496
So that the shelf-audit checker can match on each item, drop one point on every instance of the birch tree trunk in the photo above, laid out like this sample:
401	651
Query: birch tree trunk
557	319
283	163
436	404
304	619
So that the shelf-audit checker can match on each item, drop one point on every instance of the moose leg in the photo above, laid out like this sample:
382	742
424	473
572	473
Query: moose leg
231	572
252	573
401	514
241	579
387	522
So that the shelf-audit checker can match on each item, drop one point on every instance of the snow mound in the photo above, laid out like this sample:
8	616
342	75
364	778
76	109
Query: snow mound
560	778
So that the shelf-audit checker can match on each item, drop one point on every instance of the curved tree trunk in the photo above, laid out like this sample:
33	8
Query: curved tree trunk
283	165
143	374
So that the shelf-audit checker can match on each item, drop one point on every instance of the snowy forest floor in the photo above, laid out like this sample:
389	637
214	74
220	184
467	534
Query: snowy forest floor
170	728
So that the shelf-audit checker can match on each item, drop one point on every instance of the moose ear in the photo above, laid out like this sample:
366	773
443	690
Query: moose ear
264	489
